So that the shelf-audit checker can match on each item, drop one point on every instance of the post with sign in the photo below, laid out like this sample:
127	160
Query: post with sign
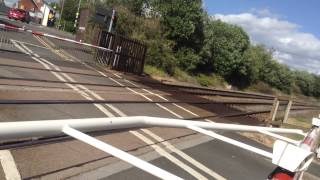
84	16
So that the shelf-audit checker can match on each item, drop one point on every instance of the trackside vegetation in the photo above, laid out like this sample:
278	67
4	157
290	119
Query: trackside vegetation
182	37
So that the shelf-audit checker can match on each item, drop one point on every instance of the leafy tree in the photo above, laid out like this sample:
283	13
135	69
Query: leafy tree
223	51
187	59
305	81
255	57
277	75
316	86
69	10
182	22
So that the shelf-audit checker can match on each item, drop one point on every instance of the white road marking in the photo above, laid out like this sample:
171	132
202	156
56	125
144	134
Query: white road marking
188	111
145	139
171	147
168	110
169	156
155	94
9	166
82	93
184	155
140	94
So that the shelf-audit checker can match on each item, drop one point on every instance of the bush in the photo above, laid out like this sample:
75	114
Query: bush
210	80
187	59
161	56
277	75
223	50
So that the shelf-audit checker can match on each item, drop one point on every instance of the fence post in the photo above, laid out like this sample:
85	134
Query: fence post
286	114
274	110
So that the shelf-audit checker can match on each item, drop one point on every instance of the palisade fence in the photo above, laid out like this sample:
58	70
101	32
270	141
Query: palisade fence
127	55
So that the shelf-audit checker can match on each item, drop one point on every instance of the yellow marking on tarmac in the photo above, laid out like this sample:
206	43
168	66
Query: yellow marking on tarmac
64	53
57	52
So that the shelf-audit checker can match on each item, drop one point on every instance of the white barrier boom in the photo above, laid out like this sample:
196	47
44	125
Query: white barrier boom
37	33
26	129
143	165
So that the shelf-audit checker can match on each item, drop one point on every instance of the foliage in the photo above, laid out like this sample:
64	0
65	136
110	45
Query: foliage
277	75
187	59
182	22
152	70
305	82
184	40
223	51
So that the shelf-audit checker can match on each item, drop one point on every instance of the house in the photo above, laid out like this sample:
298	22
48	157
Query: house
31	5
38	10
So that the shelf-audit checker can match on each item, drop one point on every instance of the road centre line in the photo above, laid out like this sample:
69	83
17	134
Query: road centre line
186	156
169	156
9	166
82	93
171	147
53	50
113	108
168	110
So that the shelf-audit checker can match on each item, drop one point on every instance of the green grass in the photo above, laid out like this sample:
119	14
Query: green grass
182	76
211	80
153	71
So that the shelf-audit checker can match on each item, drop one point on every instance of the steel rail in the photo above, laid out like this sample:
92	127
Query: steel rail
165	89
33	101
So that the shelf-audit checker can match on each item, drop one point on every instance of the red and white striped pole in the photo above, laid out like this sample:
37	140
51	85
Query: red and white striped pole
309	143
37	33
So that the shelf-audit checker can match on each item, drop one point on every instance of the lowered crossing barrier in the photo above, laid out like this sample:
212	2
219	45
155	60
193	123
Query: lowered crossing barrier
76	128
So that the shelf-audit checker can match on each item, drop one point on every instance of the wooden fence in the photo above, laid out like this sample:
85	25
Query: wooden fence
127	55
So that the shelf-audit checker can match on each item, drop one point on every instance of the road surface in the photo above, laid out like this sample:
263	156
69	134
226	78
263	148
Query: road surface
37	68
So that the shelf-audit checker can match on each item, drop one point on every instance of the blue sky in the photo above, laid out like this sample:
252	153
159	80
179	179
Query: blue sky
291	27
304	13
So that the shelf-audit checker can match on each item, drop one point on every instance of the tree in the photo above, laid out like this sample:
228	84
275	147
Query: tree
223	51
255	57
305	81
277	75
182	22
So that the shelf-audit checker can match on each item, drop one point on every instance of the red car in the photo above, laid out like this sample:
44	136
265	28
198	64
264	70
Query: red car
19	14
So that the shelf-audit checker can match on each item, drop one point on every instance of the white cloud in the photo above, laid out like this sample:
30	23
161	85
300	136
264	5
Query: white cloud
295	48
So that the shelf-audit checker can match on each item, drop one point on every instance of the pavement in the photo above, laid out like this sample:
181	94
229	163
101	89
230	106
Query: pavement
37	68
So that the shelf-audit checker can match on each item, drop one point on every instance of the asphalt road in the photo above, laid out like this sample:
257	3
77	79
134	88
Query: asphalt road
33	68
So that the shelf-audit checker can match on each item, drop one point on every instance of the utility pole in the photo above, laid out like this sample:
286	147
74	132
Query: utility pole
112	19
61	11
77	15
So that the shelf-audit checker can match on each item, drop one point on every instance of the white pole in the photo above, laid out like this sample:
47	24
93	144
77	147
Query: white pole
143	165
61	13
112	19
25	129
232	141
277	136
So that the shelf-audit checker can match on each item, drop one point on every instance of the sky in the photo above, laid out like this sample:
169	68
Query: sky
290	27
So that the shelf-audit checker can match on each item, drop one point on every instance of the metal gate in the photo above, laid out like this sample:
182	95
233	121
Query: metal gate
127	55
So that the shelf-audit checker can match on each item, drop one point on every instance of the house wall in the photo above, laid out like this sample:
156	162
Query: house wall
29	5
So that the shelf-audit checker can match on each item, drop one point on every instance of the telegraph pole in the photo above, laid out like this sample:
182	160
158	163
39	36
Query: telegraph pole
61	11
112	19
77	15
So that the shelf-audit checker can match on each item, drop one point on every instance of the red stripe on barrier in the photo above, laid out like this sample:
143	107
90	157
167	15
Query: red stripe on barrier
37	33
